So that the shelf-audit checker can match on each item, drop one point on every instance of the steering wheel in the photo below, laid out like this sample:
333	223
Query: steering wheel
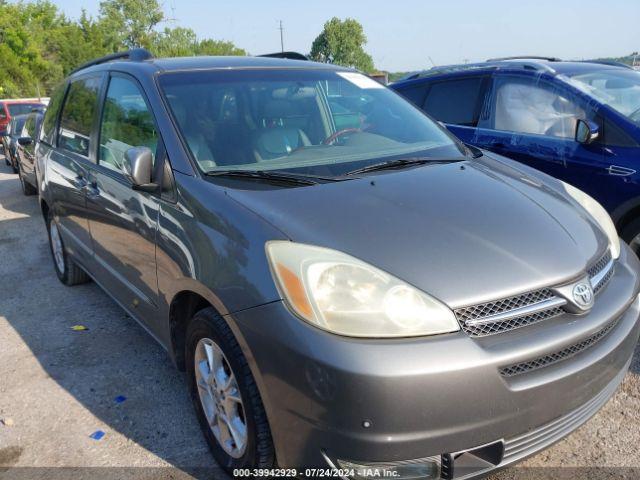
334	136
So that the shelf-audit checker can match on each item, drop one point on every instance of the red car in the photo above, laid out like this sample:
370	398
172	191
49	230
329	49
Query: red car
10	108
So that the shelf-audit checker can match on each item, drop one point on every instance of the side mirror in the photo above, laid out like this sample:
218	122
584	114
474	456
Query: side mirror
24	141
586	131
138	167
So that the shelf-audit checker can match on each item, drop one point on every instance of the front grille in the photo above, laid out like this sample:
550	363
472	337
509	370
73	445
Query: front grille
528	308
600	264
601	272
552	358
466	316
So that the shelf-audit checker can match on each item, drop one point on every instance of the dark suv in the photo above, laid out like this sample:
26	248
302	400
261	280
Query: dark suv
346	284
577	121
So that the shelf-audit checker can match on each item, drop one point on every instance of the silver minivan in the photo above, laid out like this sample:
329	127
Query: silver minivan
349	288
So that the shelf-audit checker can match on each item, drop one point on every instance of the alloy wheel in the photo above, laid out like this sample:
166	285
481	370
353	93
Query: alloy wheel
56	246
220	397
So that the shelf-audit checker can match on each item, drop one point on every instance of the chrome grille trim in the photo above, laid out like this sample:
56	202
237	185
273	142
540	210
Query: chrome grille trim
553	358
509	313
528	308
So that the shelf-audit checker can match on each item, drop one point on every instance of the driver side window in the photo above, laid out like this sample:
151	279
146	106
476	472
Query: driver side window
531	106
126	122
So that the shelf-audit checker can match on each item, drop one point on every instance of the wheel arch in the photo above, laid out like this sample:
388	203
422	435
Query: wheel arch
626	213
185	303
44	209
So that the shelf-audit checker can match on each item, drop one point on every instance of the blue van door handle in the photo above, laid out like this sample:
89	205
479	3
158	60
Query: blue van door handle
620	171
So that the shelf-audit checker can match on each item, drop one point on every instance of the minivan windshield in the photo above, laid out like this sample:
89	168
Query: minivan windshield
313	121
618	88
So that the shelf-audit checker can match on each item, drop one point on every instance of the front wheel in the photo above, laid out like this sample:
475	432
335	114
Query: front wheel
225	395
68	272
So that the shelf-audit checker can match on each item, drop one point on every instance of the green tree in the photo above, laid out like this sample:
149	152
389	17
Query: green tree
130	23
218	47
342	42
175	42
39	45
183	42
24	65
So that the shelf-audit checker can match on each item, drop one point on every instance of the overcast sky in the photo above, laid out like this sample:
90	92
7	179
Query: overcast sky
404	34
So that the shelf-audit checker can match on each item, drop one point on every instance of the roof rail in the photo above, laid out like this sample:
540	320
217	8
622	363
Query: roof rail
135	55
288	55
494	64
525	57
611	63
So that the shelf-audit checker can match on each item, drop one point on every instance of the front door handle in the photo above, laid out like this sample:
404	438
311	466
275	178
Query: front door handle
620	171
79	182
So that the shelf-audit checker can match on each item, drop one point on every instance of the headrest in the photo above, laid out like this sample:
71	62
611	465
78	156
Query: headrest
277	142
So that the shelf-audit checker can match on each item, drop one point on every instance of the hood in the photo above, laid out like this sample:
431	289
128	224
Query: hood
463	232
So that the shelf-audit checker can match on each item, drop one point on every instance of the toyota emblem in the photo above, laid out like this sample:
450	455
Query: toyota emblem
583	295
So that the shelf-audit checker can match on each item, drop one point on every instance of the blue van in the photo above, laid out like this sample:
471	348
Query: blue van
577	121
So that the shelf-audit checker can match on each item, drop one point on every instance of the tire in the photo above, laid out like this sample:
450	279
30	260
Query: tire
14	163
208	326
68	272
27	188
631	235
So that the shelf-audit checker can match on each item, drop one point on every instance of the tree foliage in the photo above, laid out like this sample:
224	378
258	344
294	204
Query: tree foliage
39	45
342	42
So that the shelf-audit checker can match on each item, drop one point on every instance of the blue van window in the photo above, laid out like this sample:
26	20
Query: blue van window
455	101
414	94
527	105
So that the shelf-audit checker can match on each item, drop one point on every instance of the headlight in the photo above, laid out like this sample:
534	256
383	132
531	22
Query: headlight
344	295
599	214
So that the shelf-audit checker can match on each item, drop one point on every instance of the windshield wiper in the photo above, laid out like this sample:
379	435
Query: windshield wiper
402	163
264	175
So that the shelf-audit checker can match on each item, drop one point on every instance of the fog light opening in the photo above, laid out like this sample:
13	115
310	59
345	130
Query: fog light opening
421	468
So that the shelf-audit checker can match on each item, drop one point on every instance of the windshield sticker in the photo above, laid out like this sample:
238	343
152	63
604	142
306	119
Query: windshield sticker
360	80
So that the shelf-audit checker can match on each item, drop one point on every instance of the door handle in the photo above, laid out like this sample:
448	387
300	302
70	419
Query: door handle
620	171
79	182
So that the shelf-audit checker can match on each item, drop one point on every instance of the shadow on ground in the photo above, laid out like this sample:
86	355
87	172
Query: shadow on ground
59	385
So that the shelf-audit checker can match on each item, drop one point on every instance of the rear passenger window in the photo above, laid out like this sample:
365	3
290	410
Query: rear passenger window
414	94
126	123
47	134
78	114
455	102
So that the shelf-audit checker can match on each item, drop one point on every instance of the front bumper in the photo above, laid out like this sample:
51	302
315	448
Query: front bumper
435	395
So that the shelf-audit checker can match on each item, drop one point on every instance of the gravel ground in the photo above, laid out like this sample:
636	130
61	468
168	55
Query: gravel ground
58	386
